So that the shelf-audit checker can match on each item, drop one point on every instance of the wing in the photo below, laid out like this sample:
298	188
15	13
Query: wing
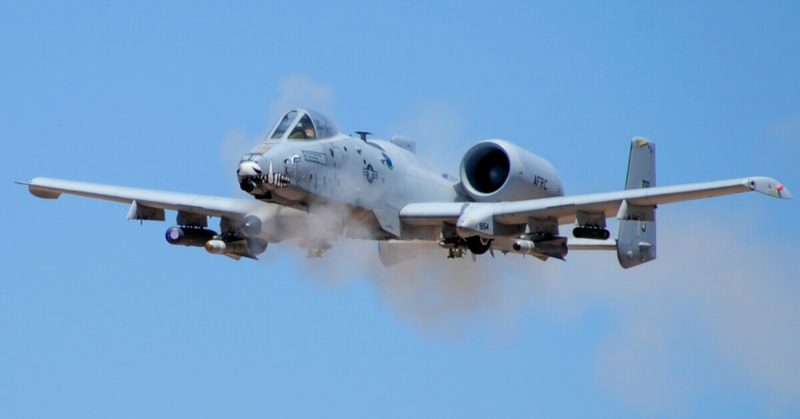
246	226
566	208
531	226
146	201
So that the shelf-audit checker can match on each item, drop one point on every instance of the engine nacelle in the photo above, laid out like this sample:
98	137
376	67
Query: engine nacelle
496	170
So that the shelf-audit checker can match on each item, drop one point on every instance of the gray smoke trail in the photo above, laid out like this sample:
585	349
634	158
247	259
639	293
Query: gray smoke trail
438	129
442	297
301	90
734	299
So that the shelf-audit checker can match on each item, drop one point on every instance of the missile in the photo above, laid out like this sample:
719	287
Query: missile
524	247
556	248
189	236
248	248
216	247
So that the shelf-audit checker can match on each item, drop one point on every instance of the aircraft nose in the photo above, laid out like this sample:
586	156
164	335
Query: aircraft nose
249	168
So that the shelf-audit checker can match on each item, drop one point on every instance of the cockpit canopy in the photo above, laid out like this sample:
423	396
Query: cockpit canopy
304	124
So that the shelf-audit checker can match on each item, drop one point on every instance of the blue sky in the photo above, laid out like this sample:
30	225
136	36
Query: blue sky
101	317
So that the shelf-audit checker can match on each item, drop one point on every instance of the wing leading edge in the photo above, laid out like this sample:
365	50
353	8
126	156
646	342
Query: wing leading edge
194	204
531	226
246	226
566	208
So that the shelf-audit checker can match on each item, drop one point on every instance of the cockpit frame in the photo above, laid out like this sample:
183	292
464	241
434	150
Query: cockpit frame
303	124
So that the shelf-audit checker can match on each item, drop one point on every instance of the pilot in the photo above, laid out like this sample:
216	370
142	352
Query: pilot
310	132
303	131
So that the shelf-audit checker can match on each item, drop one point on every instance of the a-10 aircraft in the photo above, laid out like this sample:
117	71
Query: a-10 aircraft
313	184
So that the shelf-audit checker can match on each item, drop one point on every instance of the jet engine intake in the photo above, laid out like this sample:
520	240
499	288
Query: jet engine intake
496	170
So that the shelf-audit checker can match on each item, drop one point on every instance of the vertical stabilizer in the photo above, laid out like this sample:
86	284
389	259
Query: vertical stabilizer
636	239
641	164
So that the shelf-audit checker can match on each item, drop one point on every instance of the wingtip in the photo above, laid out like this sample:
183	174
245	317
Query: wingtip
40	190
783	192
769	186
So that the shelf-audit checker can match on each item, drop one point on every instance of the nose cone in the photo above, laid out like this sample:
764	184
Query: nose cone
249	168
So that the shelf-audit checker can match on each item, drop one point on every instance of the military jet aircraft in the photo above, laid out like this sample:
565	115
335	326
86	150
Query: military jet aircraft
310	183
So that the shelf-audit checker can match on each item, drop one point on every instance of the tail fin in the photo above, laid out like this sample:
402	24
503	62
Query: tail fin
641	164
636	239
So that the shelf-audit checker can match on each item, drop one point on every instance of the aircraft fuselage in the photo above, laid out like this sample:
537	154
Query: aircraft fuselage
364	183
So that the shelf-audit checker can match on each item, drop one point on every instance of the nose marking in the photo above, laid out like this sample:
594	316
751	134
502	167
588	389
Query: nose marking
249	168
251	175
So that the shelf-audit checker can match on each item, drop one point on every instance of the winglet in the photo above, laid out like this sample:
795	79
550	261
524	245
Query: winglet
768	186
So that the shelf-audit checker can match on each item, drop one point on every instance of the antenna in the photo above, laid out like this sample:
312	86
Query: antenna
363	134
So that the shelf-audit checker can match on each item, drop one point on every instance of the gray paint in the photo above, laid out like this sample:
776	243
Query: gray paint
315	190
